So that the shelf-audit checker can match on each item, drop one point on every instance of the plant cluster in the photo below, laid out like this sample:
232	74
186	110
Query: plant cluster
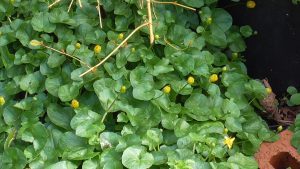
293	99
169	89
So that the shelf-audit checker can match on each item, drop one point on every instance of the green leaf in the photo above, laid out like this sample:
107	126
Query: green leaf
32	82
137	157
243	161
295	99
246	31
68	92
233	124
152	138
62	165
13	158
292	90
86	123
194	3
221	19
60	116
109	139
40	22
52	85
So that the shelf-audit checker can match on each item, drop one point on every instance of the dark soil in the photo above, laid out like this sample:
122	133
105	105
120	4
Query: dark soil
273	53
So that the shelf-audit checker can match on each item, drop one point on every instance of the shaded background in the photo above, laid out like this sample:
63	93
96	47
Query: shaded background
273	53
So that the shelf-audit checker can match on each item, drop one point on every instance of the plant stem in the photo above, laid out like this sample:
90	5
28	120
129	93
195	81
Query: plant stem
99	13
176	4
110	106
80	4
54	3
64	53
150	22
116	49
69	8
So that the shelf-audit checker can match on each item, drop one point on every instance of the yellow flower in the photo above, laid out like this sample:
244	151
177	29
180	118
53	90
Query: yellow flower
269	90
213	78
209	20
167	89
229	141
121	36
2	100
123	89
97	49
75	104
279	128
251	4
77	45
225	130
191	80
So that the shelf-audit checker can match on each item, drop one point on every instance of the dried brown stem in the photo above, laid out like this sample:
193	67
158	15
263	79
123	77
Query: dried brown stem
99	13
54	3
116	49
80	4
66	54
174	3
69	8
150	22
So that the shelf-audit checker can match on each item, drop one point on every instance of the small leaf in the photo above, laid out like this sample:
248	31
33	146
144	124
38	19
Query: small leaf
136	157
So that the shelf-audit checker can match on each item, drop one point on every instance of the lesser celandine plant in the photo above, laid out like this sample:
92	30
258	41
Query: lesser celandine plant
125	84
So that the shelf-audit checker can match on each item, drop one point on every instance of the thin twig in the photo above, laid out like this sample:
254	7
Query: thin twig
141	3
150	22
154	14
54	3
173	46
80	4
116	49
99	13
70	5
175	3
64	53
110	106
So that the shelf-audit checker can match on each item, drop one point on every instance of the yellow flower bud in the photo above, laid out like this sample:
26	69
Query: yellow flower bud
224	69
121	36
123	89
213	78
269	90
133	50
157	37
225	130
251	4
97	49
167	89
77	45
2	100
74	104
279	128
191	80
209	20
35	43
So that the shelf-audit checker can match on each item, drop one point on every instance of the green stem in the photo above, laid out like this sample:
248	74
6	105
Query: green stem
110	106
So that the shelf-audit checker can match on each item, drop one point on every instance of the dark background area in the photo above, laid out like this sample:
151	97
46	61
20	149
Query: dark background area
273	53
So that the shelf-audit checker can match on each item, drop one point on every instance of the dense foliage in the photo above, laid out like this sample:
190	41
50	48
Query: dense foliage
293	99
183	102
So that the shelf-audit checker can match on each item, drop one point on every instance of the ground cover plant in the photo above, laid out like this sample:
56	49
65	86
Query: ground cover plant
126	84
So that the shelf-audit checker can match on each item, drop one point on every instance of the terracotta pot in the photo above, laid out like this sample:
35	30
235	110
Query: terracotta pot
278	155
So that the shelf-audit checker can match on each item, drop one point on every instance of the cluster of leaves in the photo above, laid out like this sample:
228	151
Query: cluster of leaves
294	100
139	128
